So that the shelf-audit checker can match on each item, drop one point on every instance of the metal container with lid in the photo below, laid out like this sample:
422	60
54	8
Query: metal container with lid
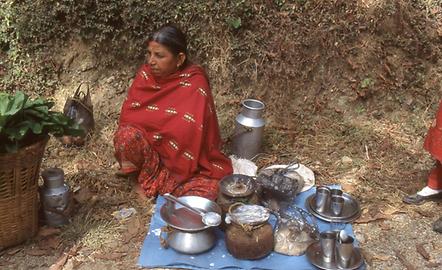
249	129
54	197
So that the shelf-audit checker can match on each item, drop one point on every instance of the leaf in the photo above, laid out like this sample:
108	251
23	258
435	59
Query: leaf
16	104
58	118
234	22
109	256
3	120
134	226
433	264
61	261
58	265
423	252
14	251
404	260
37	252
4	101
11	148
47	231
50	242
367	82
83	195
36	127
74	131
56	130
22	118
17	132
38	102
36	114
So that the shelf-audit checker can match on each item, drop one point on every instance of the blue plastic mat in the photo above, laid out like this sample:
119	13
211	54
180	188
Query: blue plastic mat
154	256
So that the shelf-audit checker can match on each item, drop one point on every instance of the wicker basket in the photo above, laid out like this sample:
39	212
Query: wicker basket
19	174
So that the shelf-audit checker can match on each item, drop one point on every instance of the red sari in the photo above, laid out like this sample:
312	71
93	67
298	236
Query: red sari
168	132
433	144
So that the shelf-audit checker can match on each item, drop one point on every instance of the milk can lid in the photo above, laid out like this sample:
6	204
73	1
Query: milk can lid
53	177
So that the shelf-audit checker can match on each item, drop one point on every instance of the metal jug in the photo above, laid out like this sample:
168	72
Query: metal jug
54	197
249	129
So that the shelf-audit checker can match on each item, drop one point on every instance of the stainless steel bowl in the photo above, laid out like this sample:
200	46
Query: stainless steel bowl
237	185
191	242
189	235
179	217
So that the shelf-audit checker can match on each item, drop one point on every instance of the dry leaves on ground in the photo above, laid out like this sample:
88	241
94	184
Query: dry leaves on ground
374	213
47	231
83	195
404	260
370	257
422	251
133	228
110	256
58	265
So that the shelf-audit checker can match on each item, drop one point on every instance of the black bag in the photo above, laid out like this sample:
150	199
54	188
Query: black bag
80	108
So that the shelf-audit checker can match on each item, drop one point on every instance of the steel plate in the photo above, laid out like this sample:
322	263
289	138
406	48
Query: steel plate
315	257
350	212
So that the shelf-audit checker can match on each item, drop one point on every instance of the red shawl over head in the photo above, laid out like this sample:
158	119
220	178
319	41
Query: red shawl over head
177	115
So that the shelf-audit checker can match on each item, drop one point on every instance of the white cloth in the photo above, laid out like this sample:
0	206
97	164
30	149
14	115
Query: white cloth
243	166
427	191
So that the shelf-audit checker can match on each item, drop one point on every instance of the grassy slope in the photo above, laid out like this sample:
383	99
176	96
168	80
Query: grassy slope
359	79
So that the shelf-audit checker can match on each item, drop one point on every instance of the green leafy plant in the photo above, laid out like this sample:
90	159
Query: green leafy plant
234	22
24	120
367	82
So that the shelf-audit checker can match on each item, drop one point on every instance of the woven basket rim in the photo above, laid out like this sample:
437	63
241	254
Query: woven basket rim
37	144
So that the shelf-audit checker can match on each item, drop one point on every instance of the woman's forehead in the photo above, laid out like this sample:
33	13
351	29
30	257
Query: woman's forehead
157	47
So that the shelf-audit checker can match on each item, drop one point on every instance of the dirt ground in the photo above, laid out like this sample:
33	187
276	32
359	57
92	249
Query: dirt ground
352	102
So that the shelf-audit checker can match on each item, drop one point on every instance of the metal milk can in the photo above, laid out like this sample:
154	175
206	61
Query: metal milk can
54	197
249	129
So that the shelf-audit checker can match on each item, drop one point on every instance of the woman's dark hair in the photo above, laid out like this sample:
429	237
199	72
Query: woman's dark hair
171	37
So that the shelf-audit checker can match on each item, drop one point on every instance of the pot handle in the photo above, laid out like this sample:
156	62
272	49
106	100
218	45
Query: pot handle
164	241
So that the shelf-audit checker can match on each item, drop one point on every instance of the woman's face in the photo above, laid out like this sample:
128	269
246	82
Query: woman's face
162	61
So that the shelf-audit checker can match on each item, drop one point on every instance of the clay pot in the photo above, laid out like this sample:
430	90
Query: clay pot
249	242
249	234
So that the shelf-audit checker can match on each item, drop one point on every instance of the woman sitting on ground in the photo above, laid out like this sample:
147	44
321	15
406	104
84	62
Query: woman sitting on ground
168	133
433	190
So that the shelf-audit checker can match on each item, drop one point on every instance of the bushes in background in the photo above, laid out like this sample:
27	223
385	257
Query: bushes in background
29	29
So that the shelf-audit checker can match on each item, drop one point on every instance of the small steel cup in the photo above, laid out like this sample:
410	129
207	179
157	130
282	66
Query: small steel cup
344	251
337	205
322	199
328	244
336	192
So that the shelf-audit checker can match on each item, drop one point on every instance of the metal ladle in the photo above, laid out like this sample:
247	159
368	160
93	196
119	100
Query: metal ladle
208	218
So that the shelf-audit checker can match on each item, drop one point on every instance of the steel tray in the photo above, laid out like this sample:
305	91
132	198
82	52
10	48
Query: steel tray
350	212
315	257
